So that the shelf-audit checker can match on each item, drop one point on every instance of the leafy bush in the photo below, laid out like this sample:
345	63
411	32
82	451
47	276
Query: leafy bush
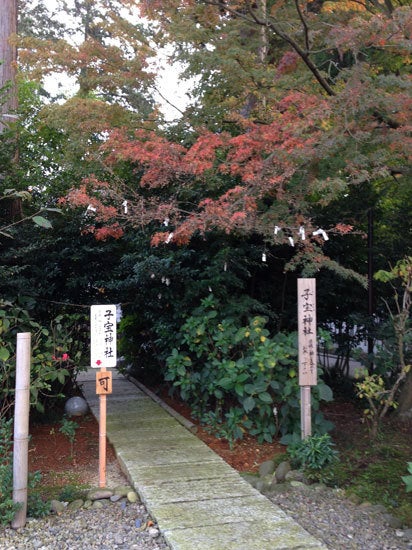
50	367
69	429
408	479
72	492
7	507
393	357
237	378
372	389
36	507
314	455
171	283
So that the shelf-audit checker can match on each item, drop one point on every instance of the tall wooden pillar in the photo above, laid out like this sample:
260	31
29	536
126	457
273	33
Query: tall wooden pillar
8	57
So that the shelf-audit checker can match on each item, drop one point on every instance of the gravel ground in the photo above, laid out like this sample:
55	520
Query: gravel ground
108	528
339	523
117	525
328	516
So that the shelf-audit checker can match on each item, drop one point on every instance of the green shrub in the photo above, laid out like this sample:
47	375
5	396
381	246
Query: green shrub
408	479
52	364
7	507
36	507
69	429
238	378
71	492
314	455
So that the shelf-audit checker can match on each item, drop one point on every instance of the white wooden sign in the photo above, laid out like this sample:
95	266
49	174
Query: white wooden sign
103	349
307	332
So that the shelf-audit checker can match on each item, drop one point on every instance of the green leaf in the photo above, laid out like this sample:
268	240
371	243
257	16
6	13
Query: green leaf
58	210
42	222
265	397
384	276
325	393
225	383
181	370
61	377
249	403
408	482
290	439
4	354
239	389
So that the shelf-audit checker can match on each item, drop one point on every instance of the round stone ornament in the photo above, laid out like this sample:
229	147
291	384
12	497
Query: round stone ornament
76	406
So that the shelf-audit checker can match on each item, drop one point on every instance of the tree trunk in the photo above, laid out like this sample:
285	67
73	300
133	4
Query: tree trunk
405	397
8	58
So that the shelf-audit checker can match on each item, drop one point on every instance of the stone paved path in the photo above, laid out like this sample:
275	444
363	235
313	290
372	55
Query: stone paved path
197	499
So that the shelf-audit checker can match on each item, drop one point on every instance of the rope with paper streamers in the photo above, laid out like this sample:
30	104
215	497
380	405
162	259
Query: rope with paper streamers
301	231
290	232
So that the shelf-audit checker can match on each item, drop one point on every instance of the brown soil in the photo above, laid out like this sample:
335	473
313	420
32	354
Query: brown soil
50	450
245	455
51	453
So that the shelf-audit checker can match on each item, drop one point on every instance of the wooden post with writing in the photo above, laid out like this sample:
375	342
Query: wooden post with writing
307	350
103	354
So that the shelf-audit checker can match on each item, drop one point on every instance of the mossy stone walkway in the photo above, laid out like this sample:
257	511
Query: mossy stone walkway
198	501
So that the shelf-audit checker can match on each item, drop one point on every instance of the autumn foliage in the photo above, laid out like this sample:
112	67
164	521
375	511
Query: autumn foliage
326	106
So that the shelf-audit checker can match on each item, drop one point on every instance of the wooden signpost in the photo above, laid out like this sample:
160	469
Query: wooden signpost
103	352
307	349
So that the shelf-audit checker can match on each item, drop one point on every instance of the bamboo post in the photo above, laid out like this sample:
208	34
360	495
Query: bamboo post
21	427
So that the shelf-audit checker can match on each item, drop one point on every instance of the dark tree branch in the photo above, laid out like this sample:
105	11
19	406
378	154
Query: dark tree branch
305	26
253	18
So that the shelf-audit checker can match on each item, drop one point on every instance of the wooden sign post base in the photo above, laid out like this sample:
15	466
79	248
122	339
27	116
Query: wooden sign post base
305	411
103	388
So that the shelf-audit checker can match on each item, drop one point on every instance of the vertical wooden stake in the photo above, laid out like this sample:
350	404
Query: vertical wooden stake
307	350
102	438
21	428
305	411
